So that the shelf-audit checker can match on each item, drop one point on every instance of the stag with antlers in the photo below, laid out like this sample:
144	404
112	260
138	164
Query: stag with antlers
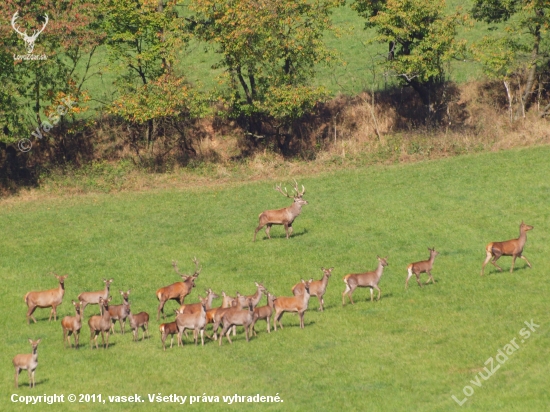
283	216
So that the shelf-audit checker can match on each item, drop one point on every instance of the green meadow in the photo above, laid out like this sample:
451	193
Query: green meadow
412	350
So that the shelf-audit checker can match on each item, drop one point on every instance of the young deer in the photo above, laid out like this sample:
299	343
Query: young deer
166	329
264	312
424	266
92	298
120	312
177	291
211	313
72	324
139	320
513	247
238	317
195	321
100	323
220	312
364	280
316	288
256	297
292	304
28	361
46	299
283	216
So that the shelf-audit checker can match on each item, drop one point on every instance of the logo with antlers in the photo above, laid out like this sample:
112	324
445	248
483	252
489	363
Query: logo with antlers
29	40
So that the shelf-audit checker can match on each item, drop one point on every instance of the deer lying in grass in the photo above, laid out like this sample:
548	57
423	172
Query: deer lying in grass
139	320
316	288
264	312
46	299
177	291
72	324
28	361
166	329
513	247
238	317
424	266
195	321
364	280
292	304
92	298
120	312
283	216
100	323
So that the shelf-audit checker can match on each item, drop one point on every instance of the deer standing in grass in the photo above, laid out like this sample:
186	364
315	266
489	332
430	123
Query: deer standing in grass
120	312
264	312
256	297
364	280
179	290
212	315
139	320
72	324
513	247
28	361
238	317
46	299
283	216
218	315
292	304
166	329
195	321
424	266
92	298
196	307
100	323
316	288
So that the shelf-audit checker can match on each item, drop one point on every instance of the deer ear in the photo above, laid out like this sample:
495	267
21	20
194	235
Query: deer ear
30	341
38	341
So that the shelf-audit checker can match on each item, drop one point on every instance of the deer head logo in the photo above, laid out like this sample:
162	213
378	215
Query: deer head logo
29	40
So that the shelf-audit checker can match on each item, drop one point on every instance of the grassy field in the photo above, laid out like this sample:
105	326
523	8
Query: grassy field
412	350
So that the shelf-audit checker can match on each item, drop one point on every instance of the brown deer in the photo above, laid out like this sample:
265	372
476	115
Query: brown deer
120	312
28	361
139	320
211	313
166	329
364	280
256	297
292	304
196	307
179	290
72	324
238	317
195	321
316	288
46	299
220	312
424	266
92	298
513	247
100	323
283	216
264	312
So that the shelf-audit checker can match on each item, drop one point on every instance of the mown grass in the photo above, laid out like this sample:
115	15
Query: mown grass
412	350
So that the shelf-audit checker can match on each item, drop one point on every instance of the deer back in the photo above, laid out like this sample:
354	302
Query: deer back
47	298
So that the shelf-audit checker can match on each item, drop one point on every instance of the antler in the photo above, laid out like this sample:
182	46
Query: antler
197	270
15	17
37	32
298	193
175	266
285	193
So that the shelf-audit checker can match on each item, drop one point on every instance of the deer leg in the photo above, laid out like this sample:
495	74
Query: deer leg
17	372
418	279
290	229
524	258
379	292
408	277
30	314
321	302
301	320
350	293
31	378
267	229
121	327
429	272
344	294
258	229
267	320
496	256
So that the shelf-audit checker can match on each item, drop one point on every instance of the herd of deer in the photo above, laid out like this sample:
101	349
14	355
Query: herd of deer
238	311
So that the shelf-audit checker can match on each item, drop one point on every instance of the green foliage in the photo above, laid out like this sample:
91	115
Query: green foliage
421	39
265	46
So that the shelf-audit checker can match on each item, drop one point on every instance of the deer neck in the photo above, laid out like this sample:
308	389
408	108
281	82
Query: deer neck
379	270
522	237
295	209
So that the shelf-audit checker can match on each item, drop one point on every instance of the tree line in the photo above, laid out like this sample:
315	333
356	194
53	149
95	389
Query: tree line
267	53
